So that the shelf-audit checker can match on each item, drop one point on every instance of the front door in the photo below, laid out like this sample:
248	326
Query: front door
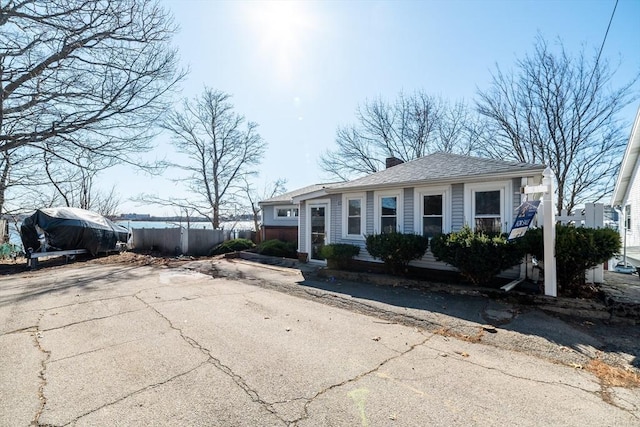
318	214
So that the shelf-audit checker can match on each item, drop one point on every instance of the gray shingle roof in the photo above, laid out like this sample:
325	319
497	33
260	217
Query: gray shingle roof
286	197
439	167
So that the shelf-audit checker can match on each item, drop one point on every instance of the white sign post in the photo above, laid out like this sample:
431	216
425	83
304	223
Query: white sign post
549	234
550	277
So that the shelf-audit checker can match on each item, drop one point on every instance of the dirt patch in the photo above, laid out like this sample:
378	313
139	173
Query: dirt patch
448	332
611	376
8	267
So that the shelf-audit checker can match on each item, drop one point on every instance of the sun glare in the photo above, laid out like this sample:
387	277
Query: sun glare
281	28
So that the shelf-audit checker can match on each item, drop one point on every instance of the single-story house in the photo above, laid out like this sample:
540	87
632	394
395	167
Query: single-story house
626	195
437	193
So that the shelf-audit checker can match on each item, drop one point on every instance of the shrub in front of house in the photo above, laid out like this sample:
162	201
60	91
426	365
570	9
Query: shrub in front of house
577	250
232	246
396	250
275	247
478	257
339	255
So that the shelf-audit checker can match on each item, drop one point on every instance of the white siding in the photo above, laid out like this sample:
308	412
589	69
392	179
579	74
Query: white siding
633	199
517	196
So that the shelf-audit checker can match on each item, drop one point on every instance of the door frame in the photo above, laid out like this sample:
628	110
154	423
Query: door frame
326	203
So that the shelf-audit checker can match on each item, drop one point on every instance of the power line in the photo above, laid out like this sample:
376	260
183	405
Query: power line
607	32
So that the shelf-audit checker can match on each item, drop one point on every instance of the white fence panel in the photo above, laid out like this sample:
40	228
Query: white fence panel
592	217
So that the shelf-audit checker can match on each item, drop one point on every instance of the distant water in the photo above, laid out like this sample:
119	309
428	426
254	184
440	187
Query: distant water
225	225
14	233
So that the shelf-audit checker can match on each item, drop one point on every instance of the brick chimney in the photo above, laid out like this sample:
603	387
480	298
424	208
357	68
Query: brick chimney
392	161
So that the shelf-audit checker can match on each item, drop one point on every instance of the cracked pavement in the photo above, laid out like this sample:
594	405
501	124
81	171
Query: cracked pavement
229	343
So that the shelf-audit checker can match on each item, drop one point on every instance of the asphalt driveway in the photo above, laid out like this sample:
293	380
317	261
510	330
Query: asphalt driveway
230	343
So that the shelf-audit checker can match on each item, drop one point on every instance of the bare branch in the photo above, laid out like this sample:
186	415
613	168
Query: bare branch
558	110
412	127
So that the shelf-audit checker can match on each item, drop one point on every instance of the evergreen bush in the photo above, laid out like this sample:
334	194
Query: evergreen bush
232	246
577	250
396	250
275	247
339	255
479	257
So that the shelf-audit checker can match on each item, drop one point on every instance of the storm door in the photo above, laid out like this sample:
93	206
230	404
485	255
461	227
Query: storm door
318	216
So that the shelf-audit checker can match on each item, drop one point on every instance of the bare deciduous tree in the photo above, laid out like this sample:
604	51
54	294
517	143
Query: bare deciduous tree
252	196
83	76
412	127
74	182
221	148
559	110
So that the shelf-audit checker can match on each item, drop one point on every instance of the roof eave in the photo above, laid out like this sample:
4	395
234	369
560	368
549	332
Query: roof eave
296	200
629	162
276	202
443	181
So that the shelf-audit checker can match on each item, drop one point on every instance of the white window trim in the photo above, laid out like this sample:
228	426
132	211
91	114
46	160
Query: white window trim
627	217
285	218
345	215
419	193
377	211
506	201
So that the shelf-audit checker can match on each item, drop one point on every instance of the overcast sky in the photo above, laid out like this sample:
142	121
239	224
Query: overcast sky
300	69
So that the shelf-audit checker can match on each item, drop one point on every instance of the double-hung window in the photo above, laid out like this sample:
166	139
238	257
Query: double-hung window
353	218
488	211
487	206
388	212
432	216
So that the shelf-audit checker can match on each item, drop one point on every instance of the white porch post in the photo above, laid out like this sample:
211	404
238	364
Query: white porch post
550	277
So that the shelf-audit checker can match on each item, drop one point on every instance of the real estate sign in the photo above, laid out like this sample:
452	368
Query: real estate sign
526	212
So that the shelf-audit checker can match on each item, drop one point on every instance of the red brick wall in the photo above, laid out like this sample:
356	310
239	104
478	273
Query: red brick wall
286	234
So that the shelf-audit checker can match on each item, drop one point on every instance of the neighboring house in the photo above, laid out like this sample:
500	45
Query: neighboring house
626	196
280	215
438	193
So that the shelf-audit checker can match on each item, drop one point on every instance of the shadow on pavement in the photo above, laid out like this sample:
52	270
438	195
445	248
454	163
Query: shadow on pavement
585	335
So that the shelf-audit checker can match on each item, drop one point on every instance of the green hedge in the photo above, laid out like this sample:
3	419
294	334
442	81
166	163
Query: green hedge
339	255
396	250
232	246
577	250
277	248
478	257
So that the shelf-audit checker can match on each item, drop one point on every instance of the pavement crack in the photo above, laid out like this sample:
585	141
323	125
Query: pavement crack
240	382
310	400
92	319
83	353
42	373
519	377
32	328
136	392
